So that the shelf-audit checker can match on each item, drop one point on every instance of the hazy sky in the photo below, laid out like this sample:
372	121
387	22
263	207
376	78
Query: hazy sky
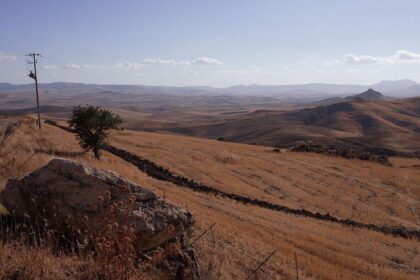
212	42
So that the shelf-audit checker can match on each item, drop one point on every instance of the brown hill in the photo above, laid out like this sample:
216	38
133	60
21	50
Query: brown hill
385	124
245	234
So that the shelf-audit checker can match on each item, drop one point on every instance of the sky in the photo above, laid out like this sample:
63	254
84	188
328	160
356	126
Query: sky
211	42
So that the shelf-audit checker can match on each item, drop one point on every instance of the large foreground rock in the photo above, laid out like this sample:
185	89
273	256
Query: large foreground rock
66	193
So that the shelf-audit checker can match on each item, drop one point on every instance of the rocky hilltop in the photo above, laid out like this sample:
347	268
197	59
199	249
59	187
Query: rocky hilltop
370	95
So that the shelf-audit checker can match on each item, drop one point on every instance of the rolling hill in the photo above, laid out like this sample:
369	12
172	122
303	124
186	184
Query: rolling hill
268	115
246	234
377	123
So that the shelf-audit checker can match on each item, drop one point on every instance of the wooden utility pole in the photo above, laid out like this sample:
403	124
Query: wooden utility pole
34	76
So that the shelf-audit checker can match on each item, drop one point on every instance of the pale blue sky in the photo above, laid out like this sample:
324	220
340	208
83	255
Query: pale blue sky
219	43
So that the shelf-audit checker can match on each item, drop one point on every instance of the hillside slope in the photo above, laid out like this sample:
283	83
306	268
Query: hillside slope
245	234
392	125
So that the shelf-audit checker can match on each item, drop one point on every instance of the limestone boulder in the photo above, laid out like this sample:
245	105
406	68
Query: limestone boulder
69	193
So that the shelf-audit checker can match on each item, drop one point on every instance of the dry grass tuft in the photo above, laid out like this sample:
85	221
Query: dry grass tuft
115	254
36	250
227	157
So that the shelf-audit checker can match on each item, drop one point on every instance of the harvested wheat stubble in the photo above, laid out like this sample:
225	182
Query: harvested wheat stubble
325	250
161	173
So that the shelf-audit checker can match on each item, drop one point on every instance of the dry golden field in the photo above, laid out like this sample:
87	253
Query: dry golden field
244	235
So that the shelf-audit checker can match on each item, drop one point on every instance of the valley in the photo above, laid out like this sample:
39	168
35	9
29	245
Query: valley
392	125
229	160
262	115
210	140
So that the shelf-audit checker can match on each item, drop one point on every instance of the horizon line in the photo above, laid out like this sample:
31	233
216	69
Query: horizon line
218	87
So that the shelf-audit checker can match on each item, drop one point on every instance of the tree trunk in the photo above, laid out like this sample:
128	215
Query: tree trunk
97	153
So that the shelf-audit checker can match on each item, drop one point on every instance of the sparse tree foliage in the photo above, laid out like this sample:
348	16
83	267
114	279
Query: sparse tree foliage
91	124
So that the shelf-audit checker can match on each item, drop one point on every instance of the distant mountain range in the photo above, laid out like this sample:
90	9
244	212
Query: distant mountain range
400	88
303	93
